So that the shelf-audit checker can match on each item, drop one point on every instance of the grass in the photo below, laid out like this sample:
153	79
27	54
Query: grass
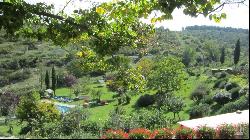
16	128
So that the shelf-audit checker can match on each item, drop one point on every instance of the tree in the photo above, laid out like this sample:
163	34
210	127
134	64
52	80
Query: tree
8	103
187	57
222	56
146	64
53	79
70	80
119	20
237	52
47	80
167	75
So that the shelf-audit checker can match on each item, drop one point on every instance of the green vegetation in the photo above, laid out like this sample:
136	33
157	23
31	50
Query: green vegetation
109	70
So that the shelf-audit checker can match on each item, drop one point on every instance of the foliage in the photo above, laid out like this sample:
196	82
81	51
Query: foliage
199	93
53	80
139	133
237	52
146	65
235	93
47	79
91	127
8	102
199	111
221	75
175	105
184	133
70	80
208	99
220	83
240	104
187	56
222	56
27	107
163	133
226	131
19	75
145	100
230	86
167	75
115	134
222	98
205	132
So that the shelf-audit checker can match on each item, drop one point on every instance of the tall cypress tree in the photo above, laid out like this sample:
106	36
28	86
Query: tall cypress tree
237	52
53	79
222	56
47	83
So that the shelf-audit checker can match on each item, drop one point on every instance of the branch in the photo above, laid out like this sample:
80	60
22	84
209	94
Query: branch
64	6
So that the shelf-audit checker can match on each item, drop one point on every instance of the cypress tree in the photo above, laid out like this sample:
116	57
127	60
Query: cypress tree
53	79
237	52
222	57
47	83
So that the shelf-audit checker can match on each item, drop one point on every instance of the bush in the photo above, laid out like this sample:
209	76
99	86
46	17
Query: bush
115	134
91	127
184	133
240	104
220	75
3	81
208	99
199	111
139	133
220	83
8	103
230	86
222	98
145	100
226	131
19	76
205	132
199	93
243	91
163	133
70	80
235	93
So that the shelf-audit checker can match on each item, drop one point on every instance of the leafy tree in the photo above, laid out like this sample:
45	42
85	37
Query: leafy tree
187	57
70	80
237	52
146	64
8	102
175	105
47	80
167	75
222	56
53	79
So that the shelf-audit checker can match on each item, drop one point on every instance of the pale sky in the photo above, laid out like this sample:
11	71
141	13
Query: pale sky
237	17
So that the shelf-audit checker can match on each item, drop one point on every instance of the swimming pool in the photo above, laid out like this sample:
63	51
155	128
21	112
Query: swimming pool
63	109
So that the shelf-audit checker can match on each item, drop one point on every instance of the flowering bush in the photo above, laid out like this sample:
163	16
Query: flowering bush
139	133
184	133
226	131
205	132
115	134
163	133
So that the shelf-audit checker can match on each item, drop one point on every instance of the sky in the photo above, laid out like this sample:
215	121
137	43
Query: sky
237	15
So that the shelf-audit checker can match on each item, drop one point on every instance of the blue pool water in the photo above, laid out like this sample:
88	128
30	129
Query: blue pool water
63	109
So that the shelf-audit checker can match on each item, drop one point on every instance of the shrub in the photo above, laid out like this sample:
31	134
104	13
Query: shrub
19	76
8	103
240	104
229	86
219	83
163	133
243	91
199	111
115	134
139	133
91	127
145	100
3	81
205	132
70	80
235	93
208	99
222	98
226	131
199	93
220	75
184	133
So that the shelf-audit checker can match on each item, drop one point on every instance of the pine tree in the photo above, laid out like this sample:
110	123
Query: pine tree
237	52
47	82
53	79
222	57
